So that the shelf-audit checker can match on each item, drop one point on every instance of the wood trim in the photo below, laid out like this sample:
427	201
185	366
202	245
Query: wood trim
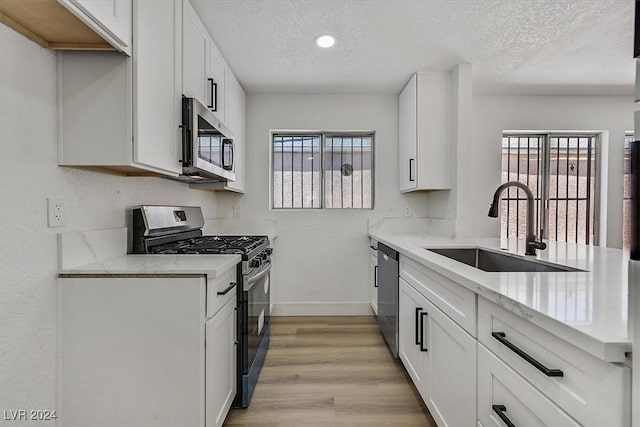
80	46
11	23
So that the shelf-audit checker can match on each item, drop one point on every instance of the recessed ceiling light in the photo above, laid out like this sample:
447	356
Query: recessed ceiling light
325	40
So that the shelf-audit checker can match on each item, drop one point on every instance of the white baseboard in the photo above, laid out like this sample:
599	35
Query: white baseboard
322	309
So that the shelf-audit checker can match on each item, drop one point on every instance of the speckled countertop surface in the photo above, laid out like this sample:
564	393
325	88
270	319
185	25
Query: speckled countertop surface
588	309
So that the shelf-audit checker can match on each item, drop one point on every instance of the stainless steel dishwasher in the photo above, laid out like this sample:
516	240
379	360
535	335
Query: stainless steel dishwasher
388	296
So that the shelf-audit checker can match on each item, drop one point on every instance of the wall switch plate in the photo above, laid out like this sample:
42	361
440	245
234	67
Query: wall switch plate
407	211
55	209
237	212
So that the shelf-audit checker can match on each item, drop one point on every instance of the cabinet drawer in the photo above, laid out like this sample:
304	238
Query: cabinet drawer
594	392
502	390
220	291
456	301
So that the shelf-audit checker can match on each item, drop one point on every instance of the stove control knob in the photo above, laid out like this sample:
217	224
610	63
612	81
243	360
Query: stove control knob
255	263
264	255
269	251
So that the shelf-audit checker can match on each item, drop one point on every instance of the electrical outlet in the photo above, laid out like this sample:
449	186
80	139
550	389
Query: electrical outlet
407	211
237	212
55	208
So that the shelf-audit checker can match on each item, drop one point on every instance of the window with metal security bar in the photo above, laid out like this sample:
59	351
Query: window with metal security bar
322	170
560	170
626	195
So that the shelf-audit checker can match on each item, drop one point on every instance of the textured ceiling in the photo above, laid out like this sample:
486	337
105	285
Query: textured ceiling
515	46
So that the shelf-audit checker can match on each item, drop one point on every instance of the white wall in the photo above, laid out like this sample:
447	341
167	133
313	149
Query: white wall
493	114
28	252
321	258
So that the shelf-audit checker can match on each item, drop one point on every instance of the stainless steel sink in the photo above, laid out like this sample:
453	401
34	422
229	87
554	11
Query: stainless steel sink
497	262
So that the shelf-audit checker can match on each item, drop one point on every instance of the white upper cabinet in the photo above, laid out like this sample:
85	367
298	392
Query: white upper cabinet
124	113
235	111
203	69
425	132
218	86
111	19
157	85
195	45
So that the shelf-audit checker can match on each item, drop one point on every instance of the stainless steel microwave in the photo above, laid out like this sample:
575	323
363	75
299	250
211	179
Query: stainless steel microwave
207	145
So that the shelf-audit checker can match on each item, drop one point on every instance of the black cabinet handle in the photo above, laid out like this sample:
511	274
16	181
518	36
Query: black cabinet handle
423	346
500	411
375	276
502	337
373	247
214	96
411	170
418	326
226	291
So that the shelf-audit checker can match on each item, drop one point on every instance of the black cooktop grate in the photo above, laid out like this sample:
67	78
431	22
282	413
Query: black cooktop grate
211	245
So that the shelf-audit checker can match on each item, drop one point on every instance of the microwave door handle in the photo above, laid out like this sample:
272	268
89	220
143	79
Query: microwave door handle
229	165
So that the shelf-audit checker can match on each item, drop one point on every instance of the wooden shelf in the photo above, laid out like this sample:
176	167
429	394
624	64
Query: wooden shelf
51	25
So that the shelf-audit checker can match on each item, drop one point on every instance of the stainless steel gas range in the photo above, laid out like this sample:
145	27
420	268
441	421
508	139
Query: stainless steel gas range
178	230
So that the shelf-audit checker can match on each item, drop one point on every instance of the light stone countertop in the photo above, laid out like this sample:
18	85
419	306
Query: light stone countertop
157	265
588	309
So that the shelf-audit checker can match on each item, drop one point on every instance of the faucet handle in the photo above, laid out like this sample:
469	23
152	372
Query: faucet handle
538	245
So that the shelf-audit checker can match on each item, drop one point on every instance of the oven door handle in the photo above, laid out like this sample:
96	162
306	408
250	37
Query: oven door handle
263	272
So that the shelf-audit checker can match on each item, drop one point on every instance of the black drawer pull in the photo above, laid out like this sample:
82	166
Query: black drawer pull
500	411
373	247
226	291
502	337
375	276
410	170
423	346
418	326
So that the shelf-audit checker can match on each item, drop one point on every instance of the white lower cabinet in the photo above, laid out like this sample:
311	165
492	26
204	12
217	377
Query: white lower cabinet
514	373
146	351
220	364
589	390
410	306
373	280
505	397
440	358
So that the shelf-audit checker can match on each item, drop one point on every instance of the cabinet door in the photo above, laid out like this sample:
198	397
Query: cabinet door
109	18
195	42
235	114
157	77
373	282
451	379
504	393
217	74
410	306
408	136
220	387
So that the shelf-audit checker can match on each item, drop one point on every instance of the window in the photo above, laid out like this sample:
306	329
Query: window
626	195
560	170
322	170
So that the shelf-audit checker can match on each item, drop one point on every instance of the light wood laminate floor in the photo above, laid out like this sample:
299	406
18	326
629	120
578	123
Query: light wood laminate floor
331	371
